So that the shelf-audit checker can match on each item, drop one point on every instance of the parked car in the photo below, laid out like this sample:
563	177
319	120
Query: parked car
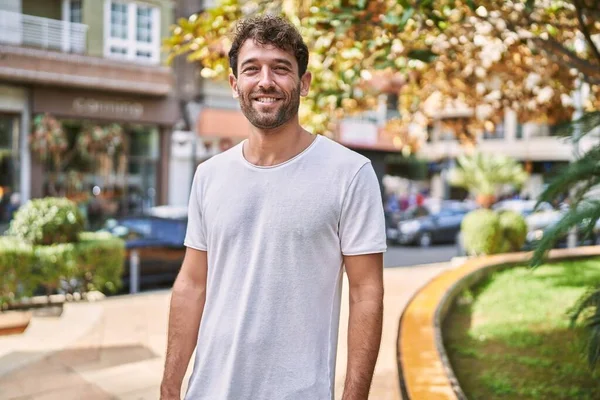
523	207
158	241
430	206
539	222
426	225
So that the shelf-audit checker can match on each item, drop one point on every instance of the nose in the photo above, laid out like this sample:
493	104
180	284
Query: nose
266	78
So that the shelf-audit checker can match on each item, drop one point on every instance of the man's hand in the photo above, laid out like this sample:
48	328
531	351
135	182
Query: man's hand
365	278
187	305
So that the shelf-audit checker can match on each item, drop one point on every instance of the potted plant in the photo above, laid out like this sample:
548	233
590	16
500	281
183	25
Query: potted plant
484	174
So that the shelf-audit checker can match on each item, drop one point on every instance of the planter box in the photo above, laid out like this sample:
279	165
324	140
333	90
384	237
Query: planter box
14	322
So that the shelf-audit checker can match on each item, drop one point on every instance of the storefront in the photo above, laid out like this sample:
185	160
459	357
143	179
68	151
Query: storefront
124	182
14	176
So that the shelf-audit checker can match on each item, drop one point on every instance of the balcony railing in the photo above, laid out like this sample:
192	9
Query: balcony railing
28	30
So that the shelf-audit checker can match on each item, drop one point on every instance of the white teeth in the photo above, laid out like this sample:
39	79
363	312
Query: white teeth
266	99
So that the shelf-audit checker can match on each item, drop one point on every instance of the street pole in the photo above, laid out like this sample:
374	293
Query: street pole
577	114
134	271
572	236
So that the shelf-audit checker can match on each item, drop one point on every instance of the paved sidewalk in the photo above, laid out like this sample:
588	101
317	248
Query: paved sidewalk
114	349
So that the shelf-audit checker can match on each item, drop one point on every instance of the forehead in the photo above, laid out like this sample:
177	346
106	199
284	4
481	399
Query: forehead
266	53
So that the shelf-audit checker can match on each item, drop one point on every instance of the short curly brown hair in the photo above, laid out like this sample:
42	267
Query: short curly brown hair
272	30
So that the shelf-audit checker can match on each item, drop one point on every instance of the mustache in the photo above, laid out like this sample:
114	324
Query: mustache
265	92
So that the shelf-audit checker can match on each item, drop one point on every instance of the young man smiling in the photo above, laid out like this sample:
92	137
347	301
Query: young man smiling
272	223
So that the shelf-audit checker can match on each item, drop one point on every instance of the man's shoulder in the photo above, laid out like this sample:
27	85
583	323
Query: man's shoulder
340	155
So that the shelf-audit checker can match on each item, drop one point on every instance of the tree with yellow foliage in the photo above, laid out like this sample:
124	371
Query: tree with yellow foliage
482	56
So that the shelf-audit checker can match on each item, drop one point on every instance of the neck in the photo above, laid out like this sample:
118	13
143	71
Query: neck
268	147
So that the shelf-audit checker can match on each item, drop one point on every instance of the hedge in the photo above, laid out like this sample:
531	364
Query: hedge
16	261
100	261
94	262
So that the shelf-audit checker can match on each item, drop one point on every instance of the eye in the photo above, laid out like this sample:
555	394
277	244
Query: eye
250	69
281	68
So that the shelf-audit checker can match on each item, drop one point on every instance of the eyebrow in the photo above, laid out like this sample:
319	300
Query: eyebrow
276	60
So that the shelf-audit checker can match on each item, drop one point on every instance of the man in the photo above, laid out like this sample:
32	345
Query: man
271	223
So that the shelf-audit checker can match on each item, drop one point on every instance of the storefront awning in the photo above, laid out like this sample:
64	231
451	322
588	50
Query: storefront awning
215	122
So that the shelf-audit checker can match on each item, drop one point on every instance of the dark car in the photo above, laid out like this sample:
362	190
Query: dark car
426	225
158	242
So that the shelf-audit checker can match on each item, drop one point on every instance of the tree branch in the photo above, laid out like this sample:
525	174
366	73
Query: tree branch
584	30
591	72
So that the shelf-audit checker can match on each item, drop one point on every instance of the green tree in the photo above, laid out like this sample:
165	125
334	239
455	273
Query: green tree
483	175
582	179
476	55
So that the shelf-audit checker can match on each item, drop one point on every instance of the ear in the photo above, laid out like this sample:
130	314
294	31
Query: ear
234	87
305	83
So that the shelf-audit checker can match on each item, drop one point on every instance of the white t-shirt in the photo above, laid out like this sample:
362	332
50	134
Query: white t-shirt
274	238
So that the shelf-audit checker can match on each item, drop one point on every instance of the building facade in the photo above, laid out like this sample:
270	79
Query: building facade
87	63
541	152
536	146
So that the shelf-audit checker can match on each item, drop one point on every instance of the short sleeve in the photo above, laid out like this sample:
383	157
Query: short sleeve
362	222
195	236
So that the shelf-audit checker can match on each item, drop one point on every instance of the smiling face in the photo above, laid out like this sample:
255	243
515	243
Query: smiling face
268	85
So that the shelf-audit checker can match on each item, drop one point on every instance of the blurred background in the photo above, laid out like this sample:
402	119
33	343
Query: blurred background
113	104
480	118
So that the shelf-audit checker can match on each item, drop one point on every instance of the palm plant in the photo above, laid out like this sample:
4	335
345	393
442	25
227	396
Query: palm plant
483	175
582	179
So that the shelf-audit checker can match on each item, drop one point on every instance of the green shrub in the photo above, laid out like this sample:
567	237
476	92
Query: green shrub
54	264
46	221
487	232
514	231
100	261
481	232
16	261
95	262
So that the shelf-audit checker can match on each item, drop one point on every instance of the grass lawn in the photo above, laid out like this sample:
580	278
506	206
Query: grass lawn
509	337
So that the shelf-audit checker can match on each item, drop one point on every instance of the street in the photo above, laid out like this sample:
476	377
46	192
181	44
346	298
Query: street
404	256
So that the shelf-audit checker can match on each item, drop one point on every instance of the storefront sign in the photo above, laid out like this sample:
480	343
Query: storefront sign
125	109
102	106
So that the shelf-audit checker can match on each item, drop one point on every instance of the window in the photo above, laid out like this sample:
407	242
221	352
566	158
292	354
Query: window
519	133
142	167
498	132
72	11
9	168
73	31
75	11
392	106
132	31
118	50
123	184
144	24
118	20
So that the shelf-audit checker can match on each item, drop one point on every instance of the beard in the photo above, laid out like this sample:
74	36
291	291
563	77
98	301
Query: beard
275	117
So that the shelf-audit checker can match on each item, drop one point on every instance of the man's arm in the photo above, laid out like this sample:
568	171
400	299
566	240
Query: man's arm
187	305
365	278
